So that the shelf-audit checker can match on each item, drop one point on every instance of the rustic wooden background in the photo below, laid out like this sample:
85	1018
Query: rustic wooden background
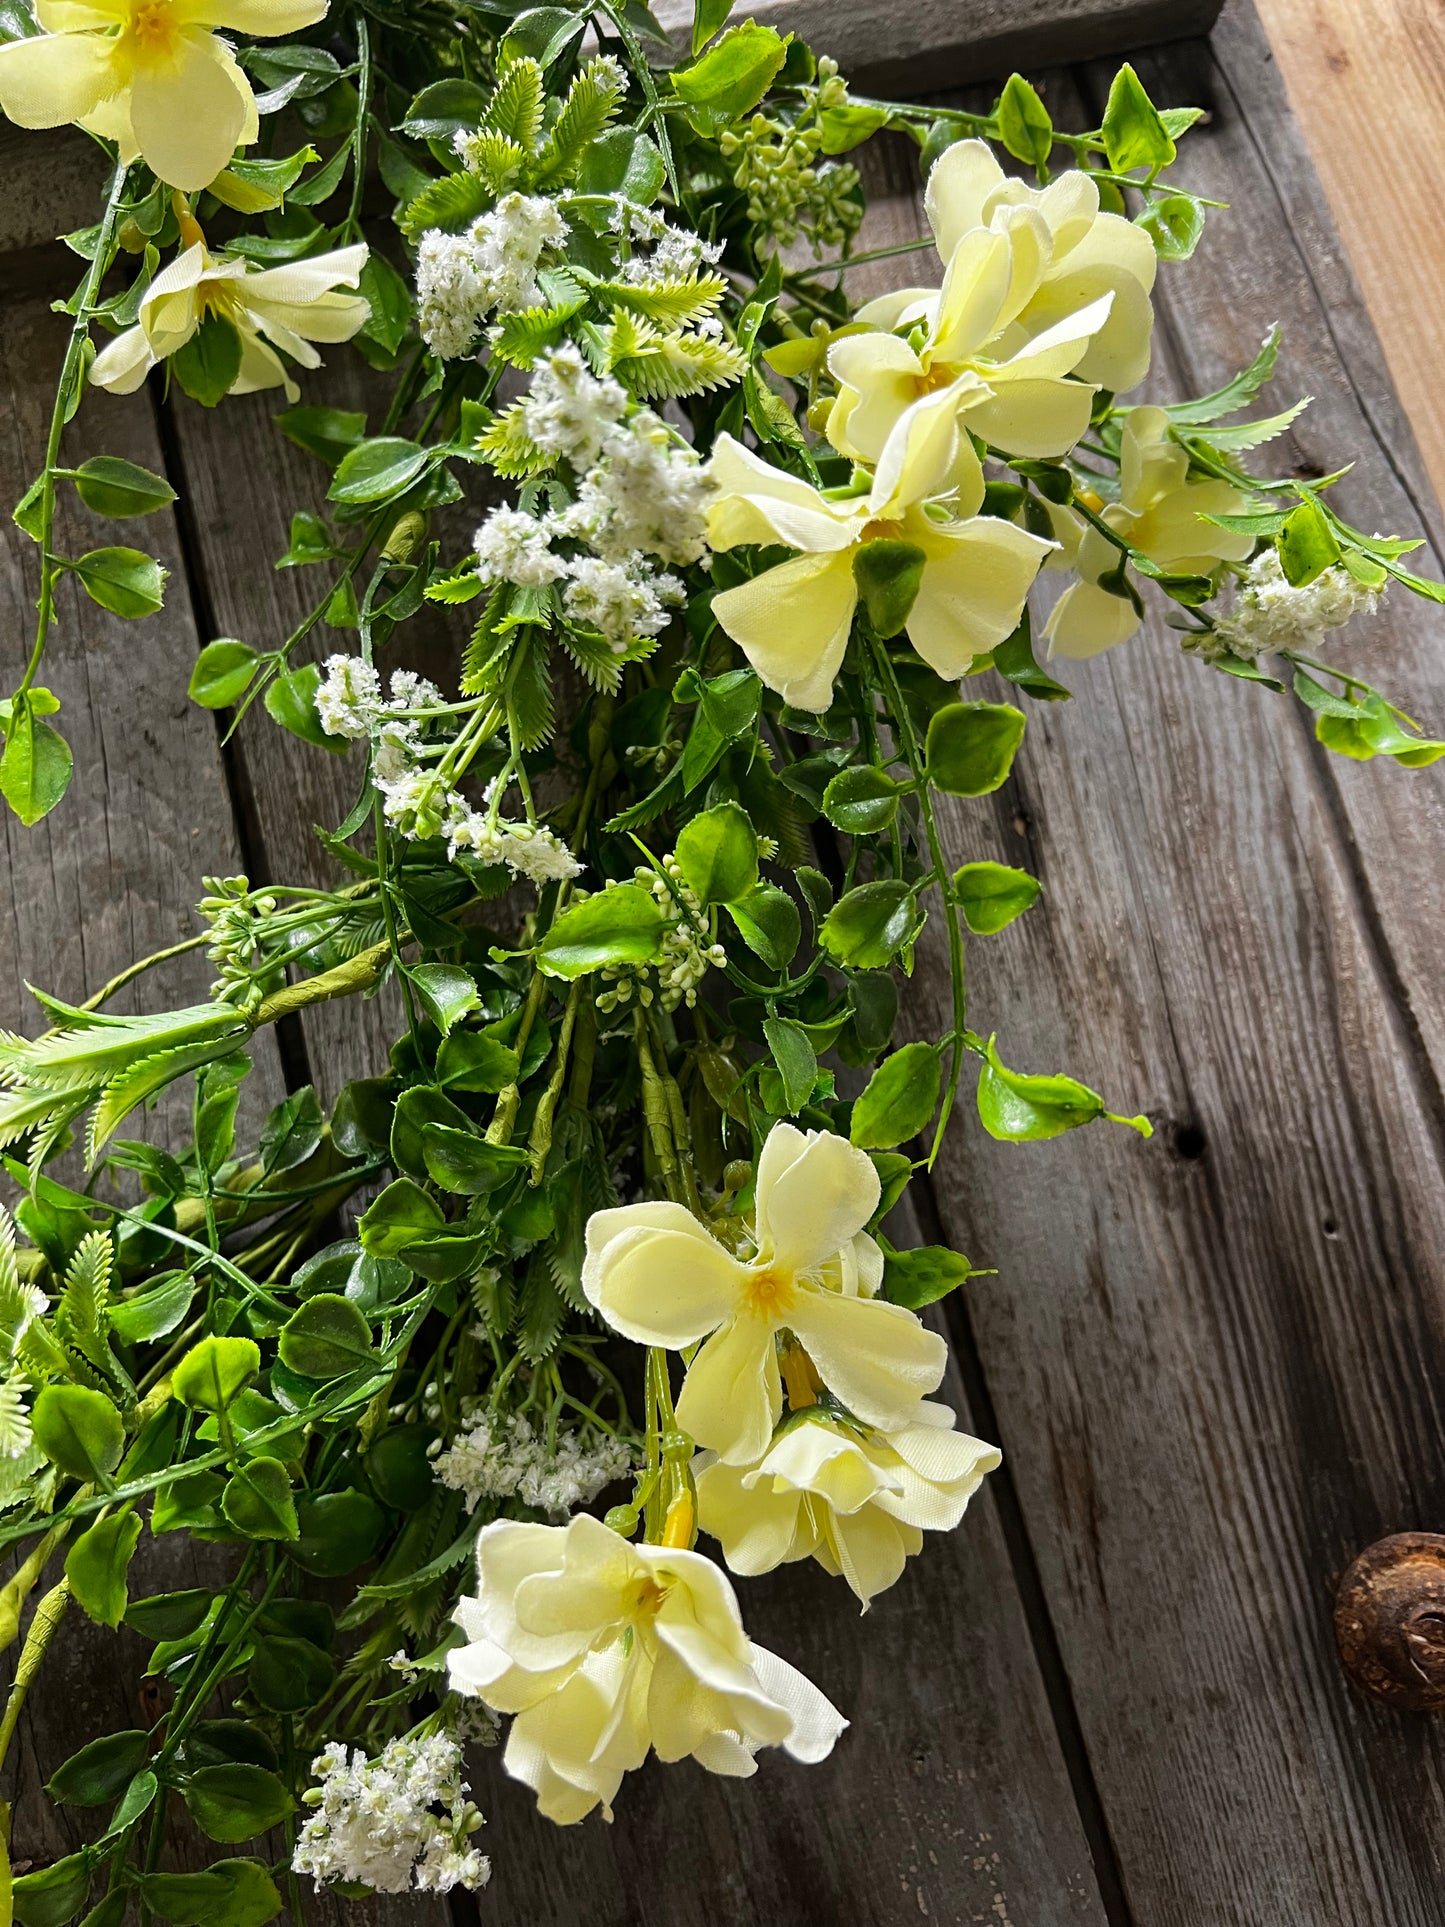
1216	1361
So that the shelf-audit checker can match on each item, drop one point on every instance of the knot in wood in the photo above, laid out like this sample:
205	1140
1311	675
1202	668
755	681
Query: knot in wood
1390	1621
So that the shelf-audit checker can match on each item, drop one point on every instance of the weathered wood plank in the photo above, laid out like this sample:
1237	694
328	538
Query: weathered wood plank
1216	1359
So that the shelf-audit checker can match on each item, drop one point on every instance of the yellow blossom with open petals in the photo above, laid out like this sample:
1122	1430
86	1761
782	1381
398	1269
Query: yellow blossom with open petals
793	622
604	1651
150	75
858	1502
660	1278
1158	511
286	307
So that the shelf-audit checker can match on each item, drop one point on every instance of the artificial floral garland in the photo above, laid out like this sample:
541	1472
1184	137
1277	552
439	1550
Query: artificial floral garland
754	536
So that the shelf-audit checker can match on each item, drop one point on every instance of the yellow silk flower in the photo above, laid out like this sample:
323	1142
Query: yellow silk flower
793	621
604	1650
1158	511
1026	403
148	74
292	306
1085	256
658	1277
858	1502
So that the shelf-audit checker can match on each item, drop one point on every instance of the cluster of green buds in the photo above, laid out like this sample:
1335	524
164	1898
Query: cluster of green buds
686	953
777	167
235	917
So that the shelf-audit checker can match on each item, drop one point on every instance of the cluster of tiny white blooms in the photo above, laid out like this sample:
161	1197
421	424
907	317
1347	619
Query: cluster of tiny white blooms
1272	614
348	697
649	492
462	278
411	691
568	411
504	1456
235	917
621	600
514	547
375	1821
678	255
687	956
529	850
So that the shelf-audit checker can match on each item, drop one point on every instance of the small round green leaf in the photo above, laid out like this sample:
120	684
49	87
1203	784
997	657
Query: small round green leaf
170	1615
399	1467
622	925
375	471
111	486
991	895
339	1532
869	926
213	1372
971	746
258	1502
236	1802
96	1567
861	801
222	674
289	1675
403	1215
126	581
98	1772
900	1100
78	1430
327	1337
717	853
768	922
230	1893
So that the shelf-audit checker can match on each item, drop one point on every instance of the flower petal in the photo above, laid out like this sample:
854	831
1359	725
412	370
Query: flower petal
878	377
793	623
1118	356
122	364
50	79
975	292
871	1549
962	179
755	502
755	1522
1039	420
817	1723
260	17
189	113
1058	349
732	1396
973	590
298	283
920	459
878	1358
1086	620
656	1275
815	1192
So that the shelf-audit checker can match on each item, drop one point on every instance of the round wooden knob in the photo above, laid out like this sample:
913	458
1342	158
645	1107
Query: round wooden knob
1390	1621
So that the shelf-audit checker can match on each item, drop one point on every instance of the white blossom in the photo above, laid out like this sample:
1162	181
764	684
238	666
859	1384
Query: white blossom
513	547
376	1821
411	691
348	697
506	1457
1271	613
568	411
529	850
649	492
460	279
621	600
449	293
678	256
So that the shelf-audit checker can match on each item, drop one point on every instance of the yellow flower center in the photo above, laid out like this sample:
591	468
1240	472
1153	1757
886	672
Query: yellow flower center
881	531
151	30
768	1293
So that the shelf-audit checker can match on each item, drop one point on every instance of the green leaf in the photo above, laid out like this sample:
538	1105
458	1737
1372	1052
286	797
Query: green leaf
390	300
292	1132
1024	124
795	1058
888	574
768	922
709	17
257	1499
236	1802
971	746
1134	135
155	1311
99	1771
96	1567
1236	393
291	701
919	1278
447	992
626	162
328	433
465	1164
208	364
126	581
222	674
1307	545
1174	224
230	1893
253	187
402	1215
1014	659
861	801
619	926
339	1532
470	1060
289	1675
215	1371
111	486
870	925
717	853
1374	730
991	895
445	108
846	127
731	77
400	1468
377	470
542	34
170	1615
1018	1109
78	1430
326	1338
50	1897
900	1100
36	766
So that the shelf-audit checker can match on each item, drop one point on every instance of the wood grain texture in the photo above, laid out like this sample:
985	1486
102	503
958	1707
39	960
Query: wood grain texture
1367	80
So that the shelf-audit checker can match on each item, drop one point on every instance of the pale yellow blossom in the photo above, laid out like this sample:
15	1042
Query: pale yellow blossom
150	75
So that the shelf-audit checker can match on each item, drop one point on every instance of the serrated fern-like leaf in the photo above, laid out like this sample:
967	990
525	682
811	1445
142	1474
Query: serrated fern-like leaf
510	450
25	1109
599	662
140	1081
520	338
16	1437
533	713
516	107
484	645
655	367
72	1060
18	1479
1236	393
1242	435
588	111
496	162
451	203
20	1304
543	1312
80	1314
673	303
